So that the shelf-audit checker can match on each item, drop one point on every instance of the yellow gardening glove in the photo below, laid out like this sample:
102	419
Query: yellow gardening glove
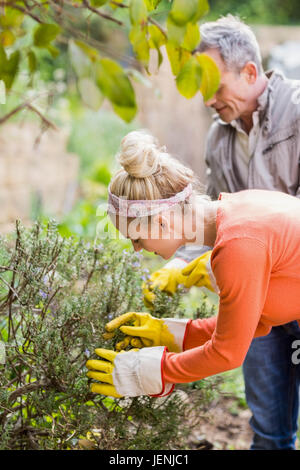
146	330
196	272
102	371
129	373
167	279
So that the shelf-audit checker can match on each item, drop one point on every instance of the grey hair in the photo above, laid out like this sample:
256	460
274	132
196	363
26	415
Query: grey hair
234	40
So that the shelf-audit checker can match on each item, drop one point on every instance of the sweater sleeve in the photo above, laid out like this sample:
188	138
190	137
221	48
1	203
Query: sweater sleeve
198	332
242	269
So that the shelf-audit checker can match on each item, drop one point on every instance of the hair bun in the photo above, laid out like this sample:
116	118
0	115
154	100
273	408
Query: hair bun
140	154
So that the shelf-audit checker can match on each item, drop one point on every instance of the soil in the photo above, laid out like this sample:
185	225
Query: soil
224	427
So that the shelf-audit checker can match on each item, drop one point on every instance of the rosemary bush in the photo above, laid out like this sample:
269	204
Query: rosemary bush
56	294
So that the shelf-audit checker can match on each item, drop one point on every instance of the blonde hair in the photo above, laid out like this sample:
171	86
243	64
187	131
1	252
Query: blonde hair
148	171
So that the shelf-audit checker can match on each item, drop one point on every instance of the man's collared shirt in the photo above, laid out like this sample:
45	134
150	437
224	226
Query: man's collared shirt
245	144
269	158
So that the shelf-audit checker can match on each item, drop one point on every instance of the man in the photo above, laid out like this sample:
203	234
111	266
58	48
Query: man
254	142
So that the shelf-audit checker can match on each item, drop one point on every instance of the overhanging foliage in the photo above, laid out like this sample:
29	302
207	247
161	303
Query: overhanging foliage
99	75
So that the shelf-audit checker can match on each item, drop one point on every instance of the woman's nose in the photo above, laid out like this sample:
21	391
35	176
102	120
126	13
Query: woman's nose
136	246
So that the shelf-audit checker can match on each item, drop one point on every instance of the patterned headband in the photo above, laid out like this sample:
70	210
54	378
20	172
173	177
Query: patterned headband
143	208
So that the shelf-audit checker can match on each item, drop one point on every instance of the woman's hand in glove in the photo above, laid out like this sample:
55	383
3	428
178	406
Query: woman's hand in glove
198	273
166	279
102	370
129	373
146	330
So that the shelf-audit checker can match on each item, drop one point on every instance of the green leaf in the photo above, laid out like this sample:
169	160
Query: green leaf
138	12
11	68
183	11
98	3
152	4
53	51
140	45
116	86
8	67
188	80
157	39
12	18
203	8
176	34
90	93
79	59
92	53
114	83
44	34
192	37
210	76
177	57
127	114
7	38
32	62
113	6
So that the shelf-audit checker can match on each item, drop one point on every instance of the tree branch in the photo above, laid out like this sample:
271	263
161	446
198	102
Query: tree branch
23	10
100	13
10	287
27	104
43	118
151	20
25	389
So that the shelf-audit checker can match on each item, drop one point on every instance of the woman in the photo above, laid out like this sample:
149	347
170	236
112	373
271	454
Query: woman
255	236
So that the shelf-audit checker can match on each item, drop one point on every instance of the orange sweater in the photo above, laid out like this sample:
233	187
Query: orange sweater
256	263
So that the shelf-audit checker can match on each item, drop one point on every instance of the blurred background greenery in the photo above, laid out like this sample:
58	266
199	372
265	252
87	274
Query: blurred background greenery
257	11
94	136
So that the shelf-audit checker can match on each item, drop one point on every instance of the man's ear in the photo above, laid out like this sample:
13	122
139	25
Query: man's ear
250	72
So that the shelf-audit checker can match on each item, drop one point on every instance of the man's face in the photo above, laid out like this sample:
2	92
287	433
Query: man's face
234	98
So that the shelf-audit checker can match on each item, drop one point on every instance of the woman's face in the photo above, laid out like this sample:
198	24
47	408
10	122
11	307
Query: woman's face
163	248
159	234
